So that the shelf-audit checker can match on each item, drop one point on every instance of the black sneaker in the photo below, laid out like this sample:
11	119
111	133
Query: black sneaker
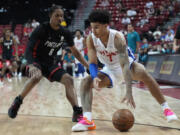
77	114
12	112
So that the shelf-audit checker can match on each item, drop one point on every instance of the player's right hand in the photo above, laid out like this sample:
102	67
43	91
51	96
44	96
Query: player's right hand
96	82
34	72
129	100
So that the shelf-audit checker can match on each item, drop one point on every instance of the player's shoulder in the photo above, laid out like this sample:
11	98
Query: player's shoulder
119	34
89	38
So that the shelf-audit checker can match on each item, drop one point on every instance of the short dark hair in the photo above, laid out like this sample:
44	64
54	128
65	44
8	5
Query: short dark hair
79	31
53	8
100	16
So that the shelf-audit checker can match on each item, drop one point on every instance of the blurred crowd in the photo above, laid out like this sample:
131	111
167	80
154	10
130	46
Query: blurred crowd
154	41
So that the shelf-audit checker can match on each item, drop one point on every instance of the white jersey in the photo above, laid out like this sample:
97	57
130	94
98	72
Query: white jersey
107	55
79	45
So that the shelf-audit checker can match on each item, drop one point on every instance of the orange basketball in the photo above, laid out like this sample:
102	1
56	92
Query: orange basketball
123	119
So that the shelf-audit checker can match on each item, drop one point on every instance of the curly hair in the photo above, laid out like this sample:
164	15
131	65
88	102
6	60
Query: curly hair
100	16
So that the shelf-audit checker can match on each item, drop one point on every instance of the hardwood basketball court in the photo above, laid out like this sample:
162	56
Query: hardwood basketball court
46	111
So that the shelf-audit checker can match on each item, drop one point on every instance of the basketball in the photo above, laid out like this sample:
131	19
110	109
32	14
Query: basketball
123	119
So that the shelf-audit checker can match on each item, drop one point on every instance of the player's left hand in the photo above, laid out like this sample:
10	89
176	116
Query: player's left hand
128	99
96	83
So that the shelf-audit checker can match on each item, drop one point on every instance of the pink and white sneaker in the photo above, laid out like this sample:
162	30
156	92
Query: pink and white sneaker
170	115
84	125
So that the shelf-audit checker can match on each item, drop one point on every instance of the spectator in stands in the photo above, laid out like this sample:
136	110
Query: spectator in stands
161	10
170	29
27	29
164	49
143	21
104	3
69	63
149	36
131	13
170	49
126	20
112	25
156	49
149	4
34	24
176	46
157	38
149	12
171	9
133	39
169	37
143	56
145	44
157	32
163	36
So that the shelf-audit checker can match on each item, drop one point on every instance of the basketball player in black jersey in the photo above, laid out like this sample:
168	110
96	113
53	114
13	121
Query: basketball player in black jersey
41	50
7	41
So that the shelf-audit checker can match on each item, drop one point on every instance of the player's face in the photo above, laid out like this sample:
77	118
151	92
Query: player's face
57	17
78	34
98	29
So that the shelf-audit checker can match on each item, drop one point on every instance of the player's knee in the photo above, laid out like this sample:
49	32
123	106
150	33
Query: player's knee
67	80
36	79
143	75
87	81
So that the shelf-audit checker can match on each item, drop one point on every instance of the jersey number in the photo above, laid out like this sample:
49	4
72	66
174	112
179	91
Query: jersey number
51	52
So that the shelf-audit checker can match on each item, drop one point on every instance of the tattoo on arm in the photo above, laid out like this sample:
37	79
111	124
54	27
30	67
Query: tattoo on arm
120	45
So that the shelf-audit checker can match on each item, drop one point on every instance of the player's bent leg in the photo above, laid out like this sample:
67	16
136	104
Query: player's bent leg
71	95
139	73
68	82
13	110
86	123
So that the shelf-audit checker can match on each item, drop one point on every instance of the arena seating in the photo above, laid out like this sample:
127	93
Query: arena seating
139	5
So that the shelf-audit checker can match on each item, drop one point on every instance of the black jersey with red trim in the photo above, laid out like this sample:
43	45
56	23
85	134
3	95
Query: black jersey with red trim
7	45
44	43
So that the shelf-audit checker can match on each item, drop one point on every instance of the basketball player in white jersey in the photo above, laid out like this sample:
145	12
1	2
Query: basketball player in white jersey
79	42
111	49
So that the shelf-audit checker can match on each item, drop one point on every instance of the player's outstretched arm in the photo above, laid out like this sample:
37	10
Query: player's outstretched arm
120	44
78	55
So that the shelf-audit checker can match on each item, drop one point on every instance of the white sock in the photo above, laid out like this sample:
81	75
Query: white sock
164	105
88	115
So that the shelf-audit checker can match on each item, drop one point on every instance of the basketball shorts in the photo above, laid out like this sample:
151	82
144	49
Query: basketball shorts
52	73
115	75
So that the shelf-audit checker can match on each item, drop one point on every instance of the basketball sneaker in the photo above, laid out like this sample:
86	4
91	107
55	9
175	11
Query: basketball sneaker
84	125
77	114
12	112
170	115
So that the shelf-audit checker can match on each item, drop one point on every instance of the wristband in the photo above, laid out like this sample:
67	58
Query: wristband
93	70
